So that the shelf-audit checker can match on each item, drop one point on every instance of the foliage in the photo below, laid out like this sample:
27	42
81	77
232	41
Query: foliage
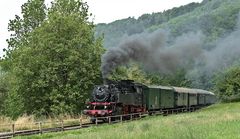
227	85
132	72
34	13
116	31
135	72
4	86
55	62
177	78
213	17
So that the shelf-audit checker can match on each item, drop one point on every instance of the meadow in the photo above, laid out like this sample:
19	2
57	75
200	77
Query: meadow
219	121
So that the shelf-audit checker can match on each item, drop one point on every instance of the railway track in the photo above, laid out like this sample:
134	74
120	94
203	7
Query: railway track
45	130
99	121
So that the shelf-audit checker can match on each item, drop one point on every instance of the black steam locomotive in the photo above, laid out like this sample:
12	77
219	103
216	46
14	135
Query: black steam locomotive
126	96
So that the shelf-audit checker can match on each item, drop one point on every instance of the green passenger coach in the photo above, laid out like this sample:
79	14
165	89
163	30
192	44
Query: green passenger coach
159	97
167	97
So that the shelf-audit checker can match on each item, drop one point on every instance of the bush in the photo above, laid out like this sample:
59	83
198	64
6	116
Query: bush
227	85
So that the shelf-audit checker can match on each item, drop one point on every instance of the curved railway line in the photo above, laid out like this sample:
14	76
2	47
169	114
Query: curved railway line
99	121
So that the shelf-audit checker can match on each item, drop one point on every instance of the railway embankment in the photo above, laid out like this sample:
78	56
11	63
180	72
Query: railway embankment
219	121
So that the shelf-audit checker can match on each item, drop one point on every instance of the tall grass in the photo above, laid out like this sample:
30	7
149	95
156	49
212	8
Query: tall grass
221	121
5	120
26	122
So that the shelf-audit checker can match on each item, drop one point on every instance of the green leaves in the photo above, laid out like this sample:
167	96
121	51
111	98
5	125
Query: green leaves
57	59
227	85
133	72
34	13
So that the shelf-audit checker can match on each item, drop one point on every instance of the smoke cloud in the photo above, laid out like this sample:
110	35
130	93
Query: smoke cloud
226	52
154	52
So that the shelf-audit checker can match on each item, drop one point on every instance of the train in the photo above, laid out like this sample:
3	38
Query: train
126	97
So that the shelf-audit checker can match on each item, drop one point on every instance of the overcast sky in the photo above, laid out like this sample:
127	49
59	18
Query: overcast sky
104	11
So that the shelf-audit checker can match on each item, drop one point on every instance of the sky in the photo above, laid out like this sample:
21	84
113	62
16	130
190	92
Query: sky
104	11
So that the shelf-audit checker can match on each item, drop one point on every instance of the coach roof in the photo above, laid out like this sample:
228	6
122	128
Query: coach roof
191	91
161	87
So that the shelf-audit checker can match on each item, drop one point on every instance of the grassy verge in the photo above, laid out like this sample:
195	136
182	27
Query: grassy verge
220	121
31	123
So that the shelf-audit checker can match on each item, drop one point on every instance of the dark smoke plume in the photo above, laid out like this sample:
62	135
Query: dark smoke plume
152	50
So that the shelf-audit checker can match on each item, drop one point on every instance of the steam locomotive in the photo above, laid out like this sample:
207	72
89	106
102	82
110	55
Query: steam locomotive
127	96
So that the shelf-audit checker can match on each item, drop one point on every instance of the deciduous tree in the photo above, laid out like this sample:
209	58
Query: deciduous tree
53	57
227	85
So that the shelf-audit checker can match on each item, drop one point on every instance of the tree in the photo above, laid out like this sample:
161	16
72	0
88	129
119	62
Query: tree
132	72
3	90
227	85
56	62
178	78
34	13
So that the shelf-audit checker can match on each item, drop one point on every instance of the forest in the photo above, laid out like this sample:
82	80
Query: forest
56	55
